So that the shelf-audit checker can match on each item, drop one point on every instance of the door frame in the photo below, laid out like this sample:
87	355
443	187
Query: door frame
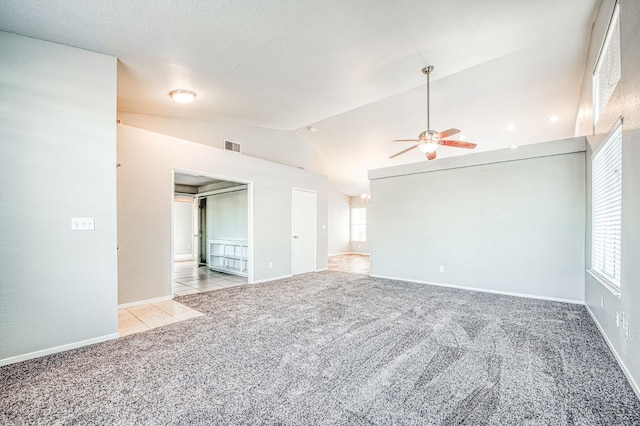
315	247
250	216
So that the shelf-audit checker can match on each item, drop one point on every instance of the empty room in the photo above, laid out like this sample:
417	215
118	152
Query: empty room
320	212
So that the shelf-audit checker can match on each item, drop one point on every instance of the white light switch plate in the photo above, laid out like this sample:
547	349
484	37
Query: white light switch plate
82	224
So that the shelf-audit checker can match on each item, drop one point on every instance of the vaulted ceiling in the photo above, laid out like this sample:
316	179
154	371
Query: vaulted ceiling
350	69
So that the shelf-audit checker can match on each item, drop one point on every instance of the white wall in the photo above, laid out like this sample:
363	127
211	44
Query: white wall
183	229
338	228
227	216
509	221
145	191
58	150
279	146
624	102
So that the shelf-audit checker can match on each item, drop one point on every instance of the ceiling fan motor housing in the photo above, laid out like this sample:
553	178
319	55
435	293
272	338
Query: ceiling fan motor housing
430	135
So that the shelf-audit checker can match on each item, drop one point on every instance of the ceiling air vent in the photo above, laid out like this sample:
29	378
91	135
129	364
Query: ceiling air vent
231	146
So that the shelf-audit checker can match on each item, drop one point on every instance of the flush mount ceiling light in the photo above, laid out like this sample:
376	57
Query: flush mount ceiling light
182	96
509	127
553	119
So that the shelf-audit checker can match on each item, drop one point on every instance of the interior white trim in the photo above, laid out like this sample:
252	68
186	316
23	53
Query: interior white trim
243	184
613	290
632	382
56	349
536	150
266	280
348	252
144	302
483	290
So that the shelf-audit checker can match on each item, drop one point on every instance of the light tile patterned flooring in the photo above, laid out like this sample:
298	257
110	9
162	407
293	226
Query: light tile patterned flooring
354	263
187	280
145	317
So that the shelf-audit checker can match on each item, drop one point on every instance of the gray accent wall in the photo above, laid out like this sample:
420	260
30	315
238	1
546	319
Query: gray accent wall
508	221
227	216
145	191
58	287
624	102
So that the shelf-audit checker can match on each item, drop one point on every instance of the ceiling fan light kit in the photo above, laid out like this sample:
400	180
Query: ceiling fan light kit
429	140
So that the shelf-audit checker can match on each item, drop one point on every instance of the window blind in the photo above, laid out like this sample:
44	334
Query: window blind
607	72
607	208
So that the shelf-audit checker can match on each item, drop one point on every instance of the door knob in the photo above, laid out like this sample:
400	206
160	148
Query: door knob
295	236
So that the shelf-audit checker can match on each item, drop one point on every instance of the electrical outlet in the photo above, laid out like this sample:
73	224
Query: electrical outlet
270	265
441	268
626	330
617	319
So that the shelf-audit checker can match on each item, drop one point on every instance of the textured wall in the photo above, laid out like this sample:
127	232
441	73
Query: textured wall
513	226
145	193
624	102
338	227
58	149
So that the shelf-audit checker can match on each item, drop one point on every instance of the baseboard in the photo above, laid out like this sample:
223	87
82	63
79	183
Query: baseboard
145	302
322	269
622	365
266	280
62	348
483	290
348	252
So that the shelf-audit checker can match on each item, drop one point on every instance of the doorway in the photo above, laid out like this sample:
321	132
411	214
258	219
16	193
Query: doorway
304	230
220	236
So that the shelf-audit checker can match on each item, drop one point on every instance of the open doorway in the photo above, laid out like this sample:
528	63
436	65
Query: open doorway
220	213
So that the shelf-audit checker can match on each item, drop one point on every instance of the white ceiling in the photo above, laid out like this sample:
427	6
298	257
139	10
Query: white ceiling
351	69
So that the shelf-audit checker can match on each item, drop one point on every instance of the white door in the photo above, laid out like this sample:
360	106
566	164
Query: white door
304	231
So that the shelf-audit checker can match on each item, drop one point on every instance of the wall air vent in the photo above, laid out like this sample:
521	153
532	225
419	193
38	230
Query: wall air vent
231	146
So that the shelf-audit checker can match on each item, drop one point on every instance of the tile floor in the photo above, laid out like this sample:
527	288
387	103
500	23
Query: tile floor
145	317
354	263
187	279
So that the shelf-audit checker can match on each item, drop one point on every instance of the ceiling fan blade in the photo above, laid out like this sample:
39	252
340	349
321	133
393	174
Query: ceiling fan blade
405	140
431	155
447	133
457	144
404	150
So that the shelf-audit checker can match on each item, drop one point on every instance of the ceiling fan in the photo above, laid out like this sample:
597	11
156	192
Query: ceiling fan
429	140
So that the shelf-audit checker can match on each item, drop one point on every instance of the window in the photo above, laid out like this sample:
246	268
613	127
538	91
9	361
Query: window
608	69
358	224
606	222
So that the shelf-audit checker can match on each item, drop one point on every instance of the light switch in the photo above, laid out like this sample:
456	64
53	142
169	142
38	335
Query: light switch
82	224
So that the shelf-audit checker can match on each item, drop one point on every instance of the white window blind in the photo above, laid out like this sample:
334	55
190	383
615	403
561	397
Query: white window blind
358	224
607	208
608	69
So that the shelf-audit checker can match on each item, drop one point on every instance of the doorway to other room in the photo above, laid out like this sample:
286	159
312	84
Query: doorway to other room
218	222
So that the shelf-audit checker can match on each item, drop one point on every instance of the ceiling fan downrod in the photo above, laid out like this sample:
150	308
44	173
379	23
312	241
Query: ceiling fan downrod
427	71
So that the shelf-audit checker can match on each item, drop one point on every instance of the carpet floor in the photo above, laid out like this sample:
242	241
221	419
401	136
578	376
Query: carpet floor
334	348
